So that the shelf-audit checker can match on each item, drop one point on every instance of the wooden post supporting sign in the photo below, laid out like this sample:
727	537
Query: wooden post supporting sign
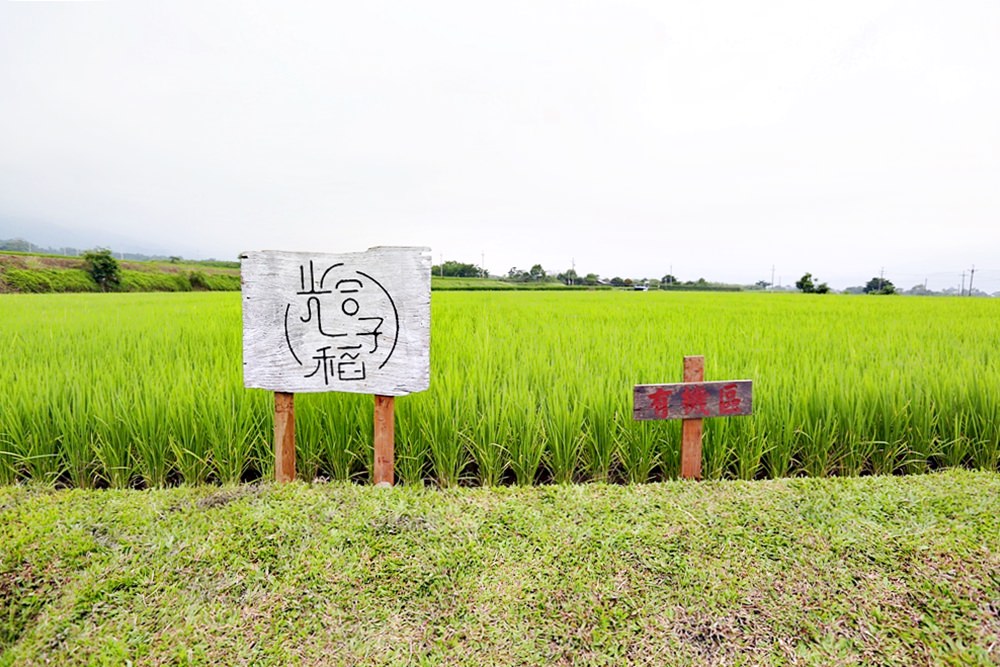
691	401
284	436
384	440
694	371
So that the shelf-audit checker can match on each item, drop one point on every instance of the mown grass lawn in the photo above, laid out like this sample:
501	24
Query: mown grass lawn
873	570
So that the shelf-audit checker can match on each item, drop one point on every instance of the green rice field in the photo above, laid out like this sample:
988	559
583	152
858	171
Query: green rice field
127	390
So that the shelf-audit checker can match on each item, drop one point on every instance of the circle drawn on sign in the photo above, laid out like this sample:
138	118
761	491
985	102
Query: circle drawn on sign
341	333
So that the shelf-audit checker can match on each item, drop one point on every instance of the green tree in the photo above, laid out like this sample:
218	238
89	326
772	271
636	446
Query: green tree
878	285
453	269
103	268
668	279
805	284
570	277
17	245
591	279
537	272
822	288
517	275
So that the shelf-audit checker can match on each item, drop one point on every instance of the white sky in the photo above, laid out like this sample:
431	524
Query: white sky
713	138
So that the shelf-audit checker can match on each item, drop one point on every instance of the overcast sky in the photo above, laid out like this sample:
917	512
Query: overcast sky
713	139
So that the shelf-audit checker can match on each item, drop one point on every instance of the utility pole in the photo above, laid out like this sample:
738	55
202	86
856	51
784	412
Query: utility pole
881	278
961	292
772	276
482	263
972	275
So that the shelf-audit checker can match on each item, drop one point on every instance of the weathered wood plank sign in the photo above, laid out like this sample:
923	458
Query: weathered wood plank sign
691	401
355	322
352	322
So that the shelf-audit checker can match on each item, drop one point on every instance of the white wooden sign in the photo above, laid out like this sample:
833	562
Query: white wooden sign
355	322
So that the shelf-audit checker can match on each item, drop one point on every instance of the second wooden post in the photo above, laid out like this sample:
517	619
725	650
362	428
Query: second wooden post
284	436
384	440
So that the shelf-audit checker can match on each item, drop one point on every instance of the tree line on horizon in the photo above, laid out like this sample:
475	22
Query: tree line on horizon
537	274
878	285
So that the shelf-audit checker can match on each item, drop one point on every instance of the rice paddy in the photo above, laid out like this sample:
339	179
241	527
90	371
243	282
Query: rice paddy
128	390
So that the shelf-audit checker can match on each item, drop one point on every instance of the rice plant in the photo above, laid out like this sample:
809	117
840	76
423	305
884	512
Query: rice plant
346	423
486	441
601	432
563	423
439	427
526	444
411	448
637	449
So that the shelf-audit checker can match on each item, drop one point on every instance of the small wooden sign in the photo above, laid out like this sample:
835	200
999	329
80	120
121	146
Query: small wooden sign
692	400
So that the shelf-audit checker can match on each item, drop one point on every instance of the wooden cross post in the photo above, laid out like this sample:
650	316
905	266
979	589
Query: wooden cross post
694	371
691	401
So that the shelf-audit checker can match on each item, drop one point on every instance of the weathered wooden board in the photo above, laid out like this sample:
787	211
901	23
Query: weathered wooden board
692	400
354	322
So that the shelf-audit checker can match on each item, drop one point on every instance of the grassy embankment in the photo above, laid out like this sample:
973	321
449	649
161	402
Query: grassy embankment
876	570
31	273
37	273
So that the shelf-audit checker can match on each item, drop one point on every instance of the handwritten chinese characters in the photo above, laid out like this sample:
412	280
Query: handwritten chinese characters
340	335
692	400
357	322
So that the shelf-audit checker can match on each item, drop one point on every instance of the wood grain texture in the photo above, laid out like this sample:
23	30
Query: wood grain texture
694	371
284	437
689	400
384	440
694	368
353	322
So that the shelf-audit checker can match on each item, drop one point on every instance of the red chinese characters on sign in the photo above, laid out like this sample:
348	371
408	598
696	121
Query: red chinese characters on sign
729	401
660	401
694	401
